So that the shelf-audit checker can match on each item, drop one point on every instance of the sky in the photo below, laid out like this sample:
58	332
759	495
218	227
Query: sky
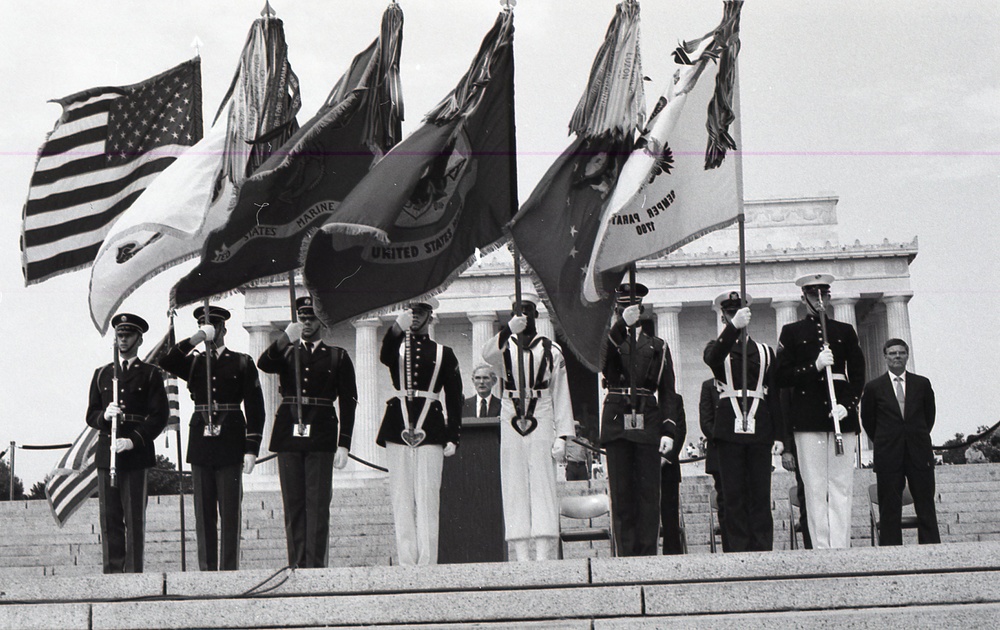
892	106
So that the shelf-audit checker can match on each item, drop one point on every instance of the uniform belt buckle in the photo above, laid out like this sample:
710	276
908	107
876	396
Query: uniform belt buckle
634	421
301	430
212	430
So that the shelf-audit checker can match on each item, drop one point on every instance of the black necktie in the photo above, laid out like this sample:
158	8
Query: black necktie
484	410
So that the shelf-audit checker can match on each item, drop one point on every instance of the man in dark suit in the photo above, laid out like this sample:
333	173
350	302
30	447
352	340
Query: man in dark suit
748	425
141	411
803	363
223	445
421	426
639	423
897	412
310	446
484	404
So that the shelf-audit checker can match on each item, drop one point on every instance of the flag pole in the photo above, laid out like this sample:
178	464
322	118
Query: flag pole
115	377
508	6
180	479
631	335
300	429
210	426
741	223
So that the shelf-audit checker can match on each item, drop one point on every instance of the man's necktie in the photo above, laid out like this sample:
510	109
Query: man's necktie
484	410
900	396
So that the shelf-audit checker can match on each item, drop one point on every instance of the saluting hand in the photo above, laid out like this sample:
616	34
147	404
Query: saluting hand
517	324
742	318
631	314
294	332
404	320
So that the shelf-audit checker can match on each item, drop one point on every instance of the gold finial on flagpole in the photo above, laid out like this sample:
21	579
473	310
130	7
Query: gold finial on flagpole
508	5
267	11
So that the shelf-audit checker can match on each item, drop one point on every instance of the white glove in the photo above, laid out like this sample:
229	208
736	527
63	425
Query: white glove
112	411
123	444
778	448
839	412
293	331
449	449
666	445
340	458
742	318
405	320
249	461
824	359
788	461
517	324
209	331
559	449
631	314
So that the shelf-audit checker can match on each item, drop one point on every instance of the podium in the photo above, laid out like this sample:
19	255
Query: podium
471	518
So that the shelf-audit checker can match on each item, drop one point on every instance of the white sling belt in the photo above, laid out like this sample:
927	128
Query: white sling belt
757	394
428	396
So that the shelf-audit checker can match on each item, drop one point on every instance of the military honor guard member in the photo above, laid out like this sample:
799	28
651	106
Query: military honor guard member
224	441
670	486
897	412
533	429
314	379
805	353
639	422
707	402
744	437
138	411
421	426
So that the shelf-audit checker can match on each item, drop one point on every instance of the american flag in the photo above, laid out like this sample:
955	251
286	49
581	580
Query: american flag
107	146
74	479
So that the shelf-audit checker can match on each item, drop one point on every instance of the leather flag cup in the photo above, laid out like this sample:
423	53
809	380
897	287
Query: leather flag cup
283	204
556	227
416	220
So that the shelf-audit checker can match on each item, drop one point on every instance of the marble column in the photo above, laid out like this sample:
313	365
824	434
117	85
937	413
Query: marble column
668	329
786	311
368	418
897	315
482	331
843	310
265	475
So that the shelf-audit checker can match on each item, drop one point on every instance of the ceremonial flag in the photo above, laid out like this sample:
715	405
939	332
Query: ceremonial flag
556	227
169	223
105	149
673	190
286	200
416	220
74	479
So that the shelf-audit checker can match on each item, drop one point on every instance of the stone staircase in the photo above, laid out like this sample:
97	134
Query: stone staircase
362	531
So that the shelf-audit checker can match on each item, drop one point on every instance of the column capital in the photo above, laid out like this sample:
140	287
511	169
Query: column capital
671	307
786	301
897	297
260	327
367	322
845	299
487	317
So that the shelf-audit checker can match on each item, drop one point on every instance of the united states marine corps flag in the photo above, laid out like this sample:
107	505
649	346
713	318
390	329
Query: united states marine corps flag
680	181
279	208
172	219
556	227
416	220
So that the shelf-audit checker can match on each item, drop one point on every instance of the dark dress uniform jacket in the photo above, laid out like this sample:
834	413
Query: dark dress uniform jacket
768	415
327	373
143	400
809	402
892	434
449	383
234	381
653	370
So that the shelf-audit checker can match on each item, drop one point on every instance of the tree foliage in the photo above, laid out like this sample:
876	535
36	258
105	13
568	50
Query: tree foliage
5	484
162	478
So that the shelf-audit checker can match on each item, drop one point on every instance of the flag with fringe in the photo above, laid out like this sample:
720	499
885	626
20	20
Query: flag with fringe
169	223
680	181
556	227
106	148
74	478
415	221
279	208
